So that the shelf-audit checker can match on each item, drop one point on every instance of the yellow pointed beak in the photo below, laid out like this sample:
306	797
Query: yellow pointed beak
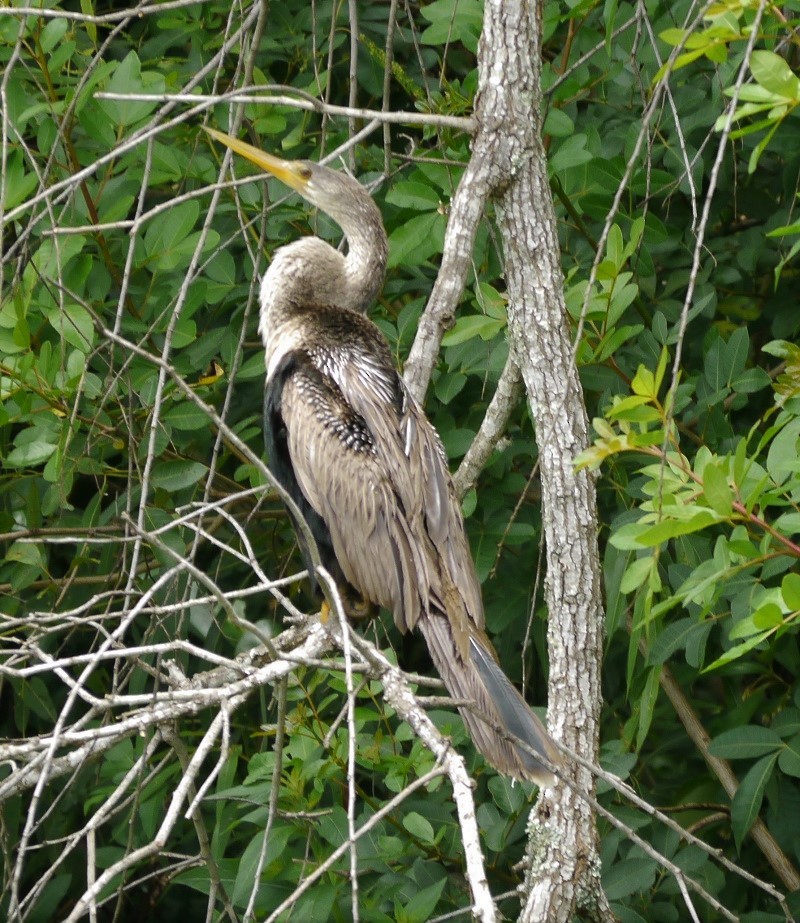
293	174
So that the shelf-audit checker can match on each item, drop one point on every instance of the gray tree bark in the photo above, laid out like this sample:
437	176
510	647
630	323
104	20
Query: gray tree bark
563	871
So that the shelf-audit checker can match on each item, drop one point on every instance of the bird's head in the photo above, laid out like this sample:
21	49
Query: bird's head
329	190
351	282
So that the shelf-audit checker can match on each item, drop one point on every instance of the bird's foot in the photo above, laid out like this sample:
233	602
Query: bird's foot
356	608
324	612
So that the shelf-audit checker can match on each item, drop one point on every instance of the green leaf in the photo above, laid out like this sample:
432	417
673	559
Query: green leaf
638	571
508	795
759	149
615	247
491	302
457	441
185	416
629	876
466	328
449	385
128	78
790	590
572	152
716	369
416	240
644	383
768	615
783	349
646	705
628	537
19	182
615	338
421	906
748	797
74	325
760	622
469	503
783	458
31	454
249	861
681	61
626	408
558	123
175	475
50	260
676	636
447	28
25	553
789	759
47	907
736	350
333	826
744	742
221	273
750	381
419	827
622	297
52	34
716	490
738	651
773	73
184	332
169	239
676	37
787	722
672	528
414	196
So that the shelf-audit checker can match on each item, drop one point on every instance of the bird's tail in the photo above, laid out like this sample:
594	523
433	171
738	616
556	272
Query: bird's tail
480	680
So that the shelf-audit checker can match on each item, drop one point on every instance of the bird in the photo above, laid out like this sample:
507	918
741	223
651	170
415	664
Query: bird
364	465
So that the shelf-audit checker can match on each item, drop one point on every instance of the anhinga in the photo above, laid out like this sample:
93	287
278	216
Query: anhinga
365	466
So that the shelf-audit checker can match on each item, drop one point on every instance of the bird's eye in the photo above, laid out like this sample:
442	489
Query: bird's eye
305	171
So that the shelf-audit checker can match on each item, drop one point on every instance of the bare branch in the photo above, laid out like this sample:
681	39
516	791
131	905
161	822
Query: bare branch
266	95
505	399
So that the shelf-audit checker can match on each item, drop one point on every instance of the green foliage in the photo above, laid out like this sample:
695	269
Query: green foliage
118	258
696	425
713	537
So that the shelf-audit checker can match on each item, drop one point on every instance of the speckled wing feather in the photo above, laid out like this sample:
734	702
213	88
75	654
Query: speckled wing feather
339	471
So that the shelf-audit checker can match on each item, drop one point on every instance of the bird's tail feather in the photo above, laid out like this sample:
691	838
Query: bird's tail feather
479	679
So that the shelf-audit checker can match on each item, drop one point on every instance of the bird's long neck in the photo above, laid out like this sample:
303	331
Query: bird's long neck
309	272
367	251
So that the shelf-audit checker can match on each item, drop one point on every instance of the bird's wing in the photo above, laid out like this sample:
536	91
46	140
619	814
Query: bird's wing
341	473
412	452
444	522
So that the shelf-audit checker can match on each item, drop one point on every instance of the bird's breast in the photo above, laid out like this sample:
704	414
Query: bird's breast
278	344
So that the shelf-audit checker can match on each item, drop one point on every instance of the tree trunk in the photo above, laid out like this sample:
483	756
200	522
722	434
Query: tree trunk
564	866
